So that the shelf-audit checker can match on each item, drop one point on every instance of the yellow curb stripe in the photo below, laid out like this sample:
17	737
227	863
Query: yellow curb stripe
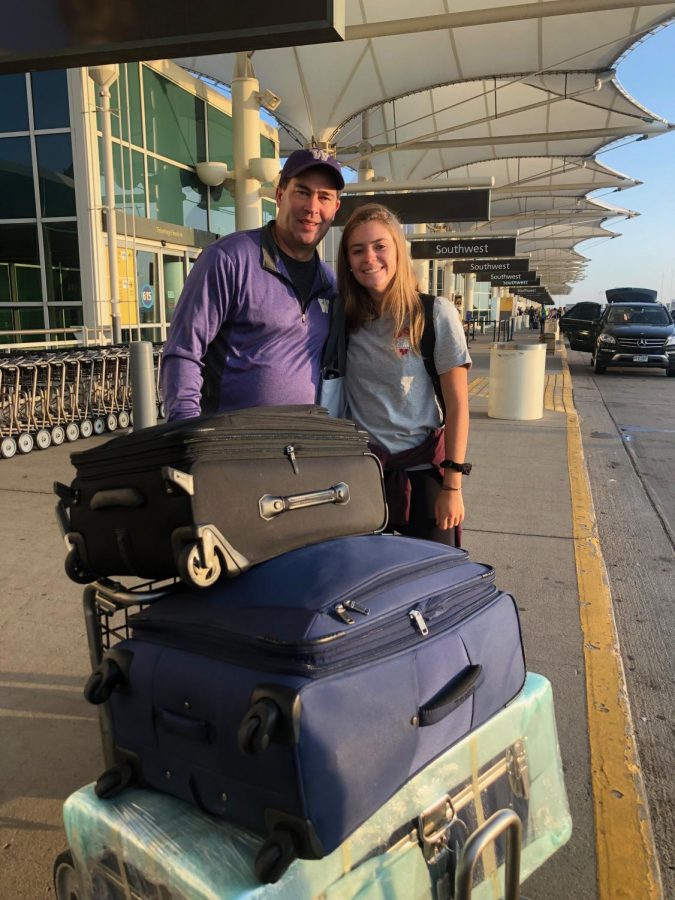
627	866
558	394
548	392
476	387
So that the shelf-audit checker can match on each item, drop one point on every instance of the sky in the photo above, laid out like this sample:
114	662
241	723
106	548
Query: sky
644	255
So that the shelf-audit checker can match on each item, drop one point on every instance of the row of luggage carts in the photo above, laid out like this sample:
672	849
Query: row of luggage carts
48	397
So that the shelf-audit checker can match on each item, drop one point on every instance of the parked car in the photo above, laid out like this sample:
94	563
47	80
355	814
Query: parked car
576	323
635	334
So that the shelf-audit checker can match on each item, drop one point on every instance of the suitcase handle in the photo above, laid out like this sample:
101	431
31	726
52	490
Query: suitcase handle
271	505
453	694
128	497
195	729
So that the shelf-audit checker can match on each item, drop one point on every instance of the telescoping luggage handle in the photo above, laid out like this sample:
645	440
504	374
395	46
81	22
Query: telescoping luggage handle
271	505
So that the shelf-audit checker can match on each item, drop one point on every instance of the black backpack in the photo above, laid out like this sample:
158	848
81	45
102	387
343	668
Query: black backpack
427	345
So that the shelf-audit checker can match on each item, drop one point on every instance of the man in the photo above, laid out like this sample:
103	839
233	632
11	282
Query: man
252	320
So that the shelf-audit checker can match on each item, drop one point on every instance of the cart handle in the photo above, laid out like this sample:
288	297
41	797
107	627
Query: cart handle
503	820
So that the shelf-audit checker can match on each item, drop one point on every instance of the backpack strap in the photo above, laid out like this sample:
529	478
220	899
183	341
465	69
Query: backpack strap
427	345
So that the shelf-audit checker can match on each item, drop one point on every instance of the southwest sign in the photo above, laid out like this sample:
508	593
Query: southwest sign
462	248
529	279
505	276
467	266
60	34
416	208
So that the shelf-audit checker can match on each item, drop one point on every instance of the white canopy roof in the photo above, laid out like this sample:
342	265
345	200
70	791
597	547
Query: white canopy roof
521	91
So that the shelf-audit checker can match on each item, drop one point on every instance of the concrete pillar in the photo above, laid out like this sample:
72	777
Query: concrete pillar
434	277
469	284
449	280
421	267
494	304
246	144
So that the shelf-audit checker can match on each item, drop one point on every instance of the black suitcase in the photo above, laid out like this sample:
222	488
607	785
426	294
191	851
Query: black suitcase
218	493
296	699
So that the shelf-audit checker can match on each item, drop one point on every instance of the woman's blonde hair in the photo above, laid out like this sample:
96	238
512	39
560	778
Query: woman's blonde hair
401	300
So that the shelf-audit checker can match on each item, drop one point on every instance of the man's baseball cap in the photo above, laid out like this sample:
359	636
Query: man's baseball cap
300	160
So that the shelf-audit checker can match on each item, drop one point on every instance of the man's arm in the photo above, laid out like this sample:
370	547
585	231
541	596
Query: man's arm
197	319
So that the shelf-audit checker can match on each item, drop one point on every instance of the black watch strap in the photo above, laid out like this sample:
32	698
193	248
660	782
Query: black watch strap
464	468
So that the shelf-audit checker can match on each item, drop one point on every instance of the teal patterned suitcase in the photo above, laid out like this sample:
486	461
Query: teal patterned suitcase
149	846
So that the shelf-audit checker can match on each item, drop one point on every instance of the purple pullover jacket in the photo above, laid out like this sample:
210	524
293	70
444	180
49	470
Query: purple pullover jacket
239	336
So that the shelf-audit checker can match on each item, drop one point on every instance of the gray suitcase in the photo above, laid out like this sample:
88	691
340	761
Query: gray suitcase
217	494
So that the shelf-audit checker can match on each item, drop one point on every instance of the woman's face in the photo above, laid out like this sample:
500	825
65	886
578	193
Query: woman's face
372	257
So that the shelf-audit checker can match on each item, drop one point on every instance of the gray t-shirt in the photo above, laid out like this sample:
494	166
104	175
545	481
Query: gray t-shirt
389	391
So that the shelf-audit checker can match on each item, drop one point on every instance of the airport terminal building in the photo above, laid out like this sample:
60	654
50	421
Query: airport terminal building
54	270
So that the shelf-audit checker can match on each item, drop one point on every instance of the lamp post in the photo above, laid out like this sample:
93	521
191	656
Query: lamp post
103	77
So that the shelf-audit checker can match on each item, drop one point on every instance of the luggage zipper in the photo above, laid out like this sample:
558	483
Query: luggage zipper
399	575
341	611
308	657
289	451
232	447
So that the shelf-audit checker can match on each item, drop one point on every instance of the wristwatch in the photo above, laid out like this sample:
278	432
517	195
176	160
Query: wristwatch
464	468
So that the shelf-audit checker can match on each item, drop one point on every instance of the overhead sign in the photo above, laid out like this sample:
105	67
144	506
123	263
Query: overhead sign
54	34
463	248
528	279
467	266
419	207
506	277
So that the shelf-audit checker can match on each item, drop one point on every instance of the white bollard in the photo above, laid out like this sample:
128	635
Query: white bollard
517	376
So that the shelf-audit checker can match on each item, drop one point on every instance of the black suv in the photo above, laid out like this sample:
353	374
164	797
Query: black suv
633	334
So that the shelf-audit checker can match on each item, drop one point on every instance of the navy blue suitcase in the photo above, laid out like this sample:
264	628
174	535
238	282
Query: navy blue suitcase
299	697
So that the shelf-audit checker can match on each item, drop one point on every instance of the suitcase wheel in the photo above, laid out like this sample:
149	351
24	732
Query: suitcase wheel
75	569
101	682
258	726
190	567
66	880
275	856
113	781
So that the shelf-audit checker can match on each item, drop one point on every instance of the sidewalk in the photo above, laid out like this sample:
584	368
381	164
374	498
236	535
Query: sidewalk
518	519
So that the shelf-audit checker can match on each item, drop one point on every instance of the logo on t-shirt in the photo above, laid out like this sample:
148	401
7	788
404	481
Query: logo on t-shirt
324	304
402	343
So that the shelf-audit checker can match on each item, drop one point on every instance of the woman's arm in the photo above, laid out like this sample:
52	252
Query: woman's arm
449	507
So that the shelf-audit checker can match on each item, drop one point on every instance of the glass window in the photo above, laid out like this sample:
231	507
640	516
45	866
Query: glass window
130	191
221	211
269	211
55	173
176	195
5	293
64	317
17	319
174	120
146	280
20	261
221	147
17	199
28	284
50	99
13	103
125	118
174	277
62	262
267	147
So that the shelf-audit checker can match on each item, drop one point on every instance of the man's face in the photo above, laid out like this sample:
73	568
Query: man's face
306	209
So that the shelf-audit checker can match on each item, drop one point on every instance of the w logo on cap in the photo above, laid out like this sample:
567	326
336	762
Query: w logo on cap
319	154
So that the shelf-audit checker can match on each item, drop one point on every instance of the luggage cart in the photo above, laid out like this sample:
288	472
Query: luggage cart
504	779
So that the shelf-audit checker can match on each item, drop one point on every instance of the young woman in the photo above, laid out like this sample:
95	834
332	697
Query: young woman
390	392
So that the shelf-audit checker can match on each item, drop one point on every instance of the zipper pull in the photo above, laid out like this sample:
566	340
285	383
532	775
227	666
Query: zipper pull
357	608
290	453
341	611
417	619
304	318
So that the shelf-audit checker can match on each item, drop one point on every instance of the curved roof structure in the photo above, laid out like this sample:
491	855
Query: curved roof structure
520	91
